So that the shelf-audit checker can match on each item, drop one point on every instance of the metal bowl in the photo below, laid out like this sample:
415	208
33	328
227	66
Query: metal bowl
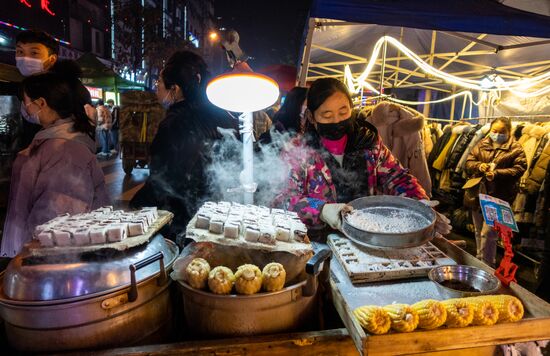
390	240
462	275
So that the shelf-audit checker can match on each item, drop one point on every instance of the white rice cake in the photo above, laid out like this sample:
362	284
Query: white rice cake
152	209
81	237
117	232
62	238
267	235
216	225
98	235
135	228
45	238
251	234
202	222
231	230
282	233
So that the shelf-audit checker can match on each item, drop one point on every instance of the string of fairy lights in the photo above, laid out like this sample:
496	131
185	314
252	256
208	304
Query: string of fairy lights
490	92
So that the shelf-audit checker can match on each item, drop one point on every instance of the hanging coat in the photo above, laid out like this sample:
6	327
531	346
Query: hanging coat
400	129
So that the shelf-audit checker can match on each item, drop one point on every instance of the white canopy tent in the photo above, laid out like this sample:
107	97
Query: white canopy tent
331	45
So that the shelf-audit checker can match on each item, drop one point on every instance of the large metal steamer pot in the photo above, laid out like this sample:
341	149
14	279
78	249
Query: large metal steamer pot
126	303
289	309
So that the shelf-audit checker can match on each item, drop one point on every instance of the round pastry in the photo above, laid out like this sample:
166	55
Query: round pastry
273	277
196	273
248	279
220	280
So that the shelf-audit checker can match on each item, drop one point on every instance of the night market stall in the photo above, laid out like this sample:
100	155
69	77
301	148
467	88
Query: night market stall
251	281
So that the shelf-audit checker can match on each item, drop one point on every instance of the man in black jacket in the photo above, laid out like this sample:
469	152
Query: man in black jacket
181	149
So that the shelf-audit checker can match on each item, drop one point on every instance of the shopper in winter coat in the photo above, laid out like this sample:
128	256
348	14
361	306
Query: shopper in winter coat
340	158
500	160
103	125
180	151
400	129
58	173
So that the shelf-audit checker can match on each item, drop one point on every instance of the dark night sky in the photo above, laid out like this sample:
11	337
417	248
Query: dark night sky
270	31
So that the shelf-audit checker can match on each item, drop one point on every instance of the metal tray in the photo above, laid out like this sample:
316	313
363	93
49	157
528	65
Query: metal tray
380	240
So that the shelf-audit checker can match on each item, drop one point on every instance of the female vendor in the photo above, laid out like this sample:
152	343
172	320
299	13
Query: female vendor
341	158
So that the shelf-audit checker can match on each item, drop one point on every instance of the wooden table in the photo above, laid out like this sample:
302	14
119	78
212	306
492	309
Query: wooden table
471	341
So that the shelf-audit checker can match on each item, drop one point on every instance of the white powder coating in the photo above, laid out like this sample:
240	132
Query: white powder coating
387	220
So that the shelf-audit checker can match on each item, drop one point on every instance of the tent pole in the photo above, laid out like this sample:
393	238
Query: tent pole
302	79
453	103
384	50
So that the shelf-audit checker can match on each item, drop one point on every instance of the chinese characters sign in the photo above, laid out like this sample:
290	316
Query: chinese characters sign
44	5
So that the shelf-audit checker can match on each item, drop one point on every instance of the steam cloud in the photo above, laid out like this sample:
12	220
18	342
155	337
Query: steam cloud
270	171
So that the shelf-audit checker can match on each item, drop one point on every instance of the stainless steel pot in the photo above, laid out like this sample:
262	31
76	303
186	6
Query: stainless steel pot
131	312
237	315
390	240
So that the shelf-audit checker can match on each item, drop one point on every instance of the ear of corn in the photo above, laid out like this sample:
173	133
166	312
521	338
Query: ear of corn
403	317
248	279
459	313
273	277
510	308
485	311
373	319
196	273
220	280
431	313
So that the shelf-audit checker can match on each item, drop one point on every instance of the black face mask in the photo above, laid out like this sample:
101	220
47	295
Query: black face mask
334	131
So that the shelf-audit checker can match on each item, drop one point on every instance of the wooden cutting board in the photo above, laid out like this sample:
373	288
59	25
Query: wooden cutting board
365	265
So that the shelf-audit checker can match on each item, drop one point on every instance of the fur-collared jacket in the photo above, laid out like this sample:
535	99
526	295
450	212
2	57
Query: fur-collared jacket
400	128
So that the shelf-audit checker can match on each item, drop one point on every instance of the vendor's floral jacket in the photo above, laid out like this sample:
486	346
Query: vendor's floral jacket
312	183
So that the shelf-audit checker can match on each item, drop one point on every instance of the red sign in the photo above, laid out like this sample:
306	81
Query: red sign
44	5
95	92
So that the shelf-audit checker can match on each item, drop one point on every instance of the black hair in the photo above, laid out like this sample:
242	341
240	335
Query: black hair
289	114
190	72
321	89
100	102
110	101
60	97
71	71
37	36
504	120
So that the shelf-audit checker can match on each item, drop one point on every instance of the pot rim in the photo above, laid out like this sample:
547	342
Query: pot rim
184	285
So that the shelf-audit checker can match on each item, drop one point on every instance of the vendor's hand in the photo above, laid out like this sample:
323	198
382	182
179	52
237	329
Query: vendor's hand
332	214
490	175
442	223
484	167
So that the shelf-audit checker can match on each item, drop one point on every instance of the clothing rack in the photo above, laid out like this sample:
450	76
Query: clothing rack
526	118
449	120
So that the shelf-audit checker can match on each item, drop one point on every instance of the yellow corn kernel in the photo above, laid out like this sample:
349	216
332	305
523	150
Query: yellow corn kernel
373	319
459	313
431	313
510	308
403	317
485	311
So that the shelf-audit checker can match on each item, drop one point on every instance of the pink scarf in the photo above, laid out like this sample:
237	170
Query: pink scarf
336	147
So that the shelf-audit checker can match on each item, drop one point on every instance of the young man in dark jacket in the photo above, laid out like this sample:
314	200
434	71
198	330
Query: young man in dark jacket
180	152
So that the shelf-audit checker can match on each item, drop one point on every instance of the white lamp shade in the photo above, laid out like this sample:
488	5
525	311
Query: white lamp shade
242	92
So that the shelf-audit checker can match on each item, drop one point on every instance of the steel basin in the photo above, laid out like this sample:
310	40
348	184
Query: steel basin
471	276
389	240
